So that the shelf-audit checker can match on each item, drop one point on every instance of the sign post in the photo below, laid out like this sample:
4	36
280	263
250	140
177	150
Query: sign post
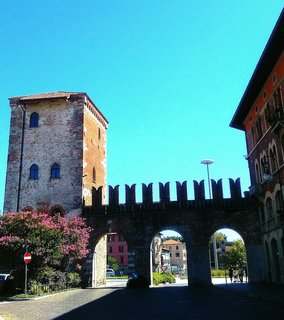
27	259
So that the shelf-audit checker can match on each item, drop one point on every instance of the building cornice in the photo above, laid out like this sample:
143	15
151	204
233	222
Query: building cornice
266	63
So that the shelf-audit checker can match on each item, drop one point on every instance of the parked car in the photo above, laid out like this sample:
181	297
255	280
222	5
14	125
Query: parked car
4	276
110	273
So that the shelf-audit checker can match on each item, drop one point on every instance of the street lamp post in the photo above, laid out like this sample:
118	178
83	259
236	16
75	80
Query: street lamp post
207	162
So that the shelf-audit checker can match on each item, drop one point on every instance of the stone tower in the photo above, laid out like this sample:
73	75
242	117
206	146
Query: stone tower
57	152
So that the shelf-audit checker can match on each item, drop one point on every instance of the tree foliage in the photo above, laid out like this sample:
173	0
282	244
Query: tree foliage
112	263
219	236
53	241
236	256
176	238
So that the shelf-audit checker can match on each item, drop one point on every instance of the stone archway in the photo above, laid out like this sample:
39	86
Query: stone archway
195	219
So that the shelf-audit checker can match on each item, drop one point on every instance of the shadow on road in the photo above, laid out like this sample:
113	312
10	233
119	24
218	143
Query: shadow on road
175	303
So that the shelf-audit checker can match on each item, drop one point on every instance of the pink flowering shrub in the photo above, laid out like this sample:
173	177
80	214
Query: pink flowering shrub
53	241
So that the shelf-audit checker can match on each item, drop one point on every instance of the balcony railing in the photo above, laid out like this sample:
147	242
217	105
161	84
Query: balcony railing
276	118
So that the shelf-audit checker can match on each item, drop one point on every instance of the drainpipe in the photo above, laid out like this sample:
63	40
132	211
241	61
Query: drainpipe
21	156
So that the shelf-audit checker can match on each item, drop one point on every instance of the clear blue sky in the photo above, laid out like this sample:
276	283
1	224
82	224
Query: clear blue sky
168	75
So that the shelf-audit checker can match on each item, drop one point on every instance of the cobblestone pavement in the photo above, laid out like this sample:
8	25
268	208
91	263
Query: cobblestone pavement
50	307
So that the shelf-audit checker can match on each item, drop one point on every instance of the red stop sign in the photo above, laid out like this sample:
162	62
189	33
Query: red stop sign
27	257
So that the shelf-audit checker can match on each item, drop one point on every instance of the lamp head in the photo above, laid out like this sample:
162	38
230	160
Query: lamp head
207	161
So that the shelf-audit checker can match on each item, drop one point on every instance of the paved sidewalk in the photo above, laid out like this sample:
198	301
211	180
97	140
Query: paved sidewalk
264	291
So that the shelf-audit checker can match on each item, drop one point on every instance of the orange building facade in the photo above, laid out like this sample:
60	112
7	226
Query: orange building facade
261	115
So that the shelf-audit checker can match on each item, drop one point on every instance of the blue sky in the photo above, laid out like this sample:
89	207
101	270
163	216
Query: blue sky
168	75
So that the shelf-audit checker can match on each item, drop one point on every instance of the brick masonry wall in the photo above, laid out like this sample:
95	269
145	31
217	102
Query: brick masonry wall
12	175
94	154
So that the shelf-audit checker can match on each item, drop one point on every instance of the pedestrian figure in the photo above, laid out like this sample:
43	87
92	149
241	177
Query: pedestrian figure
241	274
236	276
246	273
231	273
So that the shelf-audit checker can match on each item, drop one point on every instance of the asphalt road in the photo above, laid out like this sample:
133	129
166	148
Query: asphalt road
165	302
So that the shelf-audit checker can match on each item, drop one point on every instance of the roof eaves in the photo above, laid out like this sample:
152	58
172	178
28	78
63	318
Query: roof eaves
269	57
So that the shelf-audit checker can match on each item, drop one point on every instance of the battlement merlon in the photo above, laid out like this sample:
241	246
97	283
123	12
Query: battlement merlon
164	193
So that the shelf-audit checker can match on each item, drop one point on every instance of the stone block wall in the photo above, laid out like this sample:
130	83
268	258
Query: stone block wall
72	133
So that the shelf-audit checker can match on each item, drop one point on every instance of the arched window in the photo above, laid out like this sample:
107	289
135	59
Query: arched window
257	176
253	136
279	201
34	120
273	161
259	129
269	209
264	167
275	157
94	175
282	144
33	172
55	171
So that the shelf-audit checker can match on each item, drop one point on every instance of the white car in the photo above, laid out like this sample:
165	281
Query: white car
110	273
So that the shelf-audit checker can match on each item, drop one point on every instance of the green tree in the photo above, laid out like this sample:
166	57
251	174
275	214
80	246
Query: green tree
112	263
236	256
219	236
177	238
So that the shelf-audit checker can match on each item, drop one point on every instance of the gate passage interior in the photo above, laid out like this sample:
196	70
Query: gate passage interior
196	220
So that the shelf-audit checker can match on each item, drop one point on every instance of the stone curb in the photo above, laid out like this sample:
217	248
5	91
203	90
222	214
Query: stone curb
41	297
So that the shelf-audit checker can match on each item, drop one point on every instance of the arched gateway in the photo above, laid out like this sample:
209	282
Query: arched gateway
195	219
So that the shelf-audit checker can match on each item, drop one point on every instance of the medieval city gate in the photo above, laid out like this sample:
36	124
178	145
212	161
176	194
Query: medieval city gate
196	220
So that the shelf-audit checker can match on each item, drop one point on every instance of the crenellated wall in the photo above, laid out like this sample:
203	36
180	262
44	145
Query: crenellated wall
164	195
196	220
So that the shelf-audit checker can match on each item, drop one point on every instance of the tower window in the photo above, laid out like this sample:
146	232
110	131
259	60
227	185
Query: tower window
99	133
33	172
55	171
269	209
94	175
34	120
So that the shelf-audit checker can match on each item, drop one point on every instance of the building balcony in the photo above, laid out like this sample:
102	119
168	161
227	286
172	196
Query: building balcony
276	119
